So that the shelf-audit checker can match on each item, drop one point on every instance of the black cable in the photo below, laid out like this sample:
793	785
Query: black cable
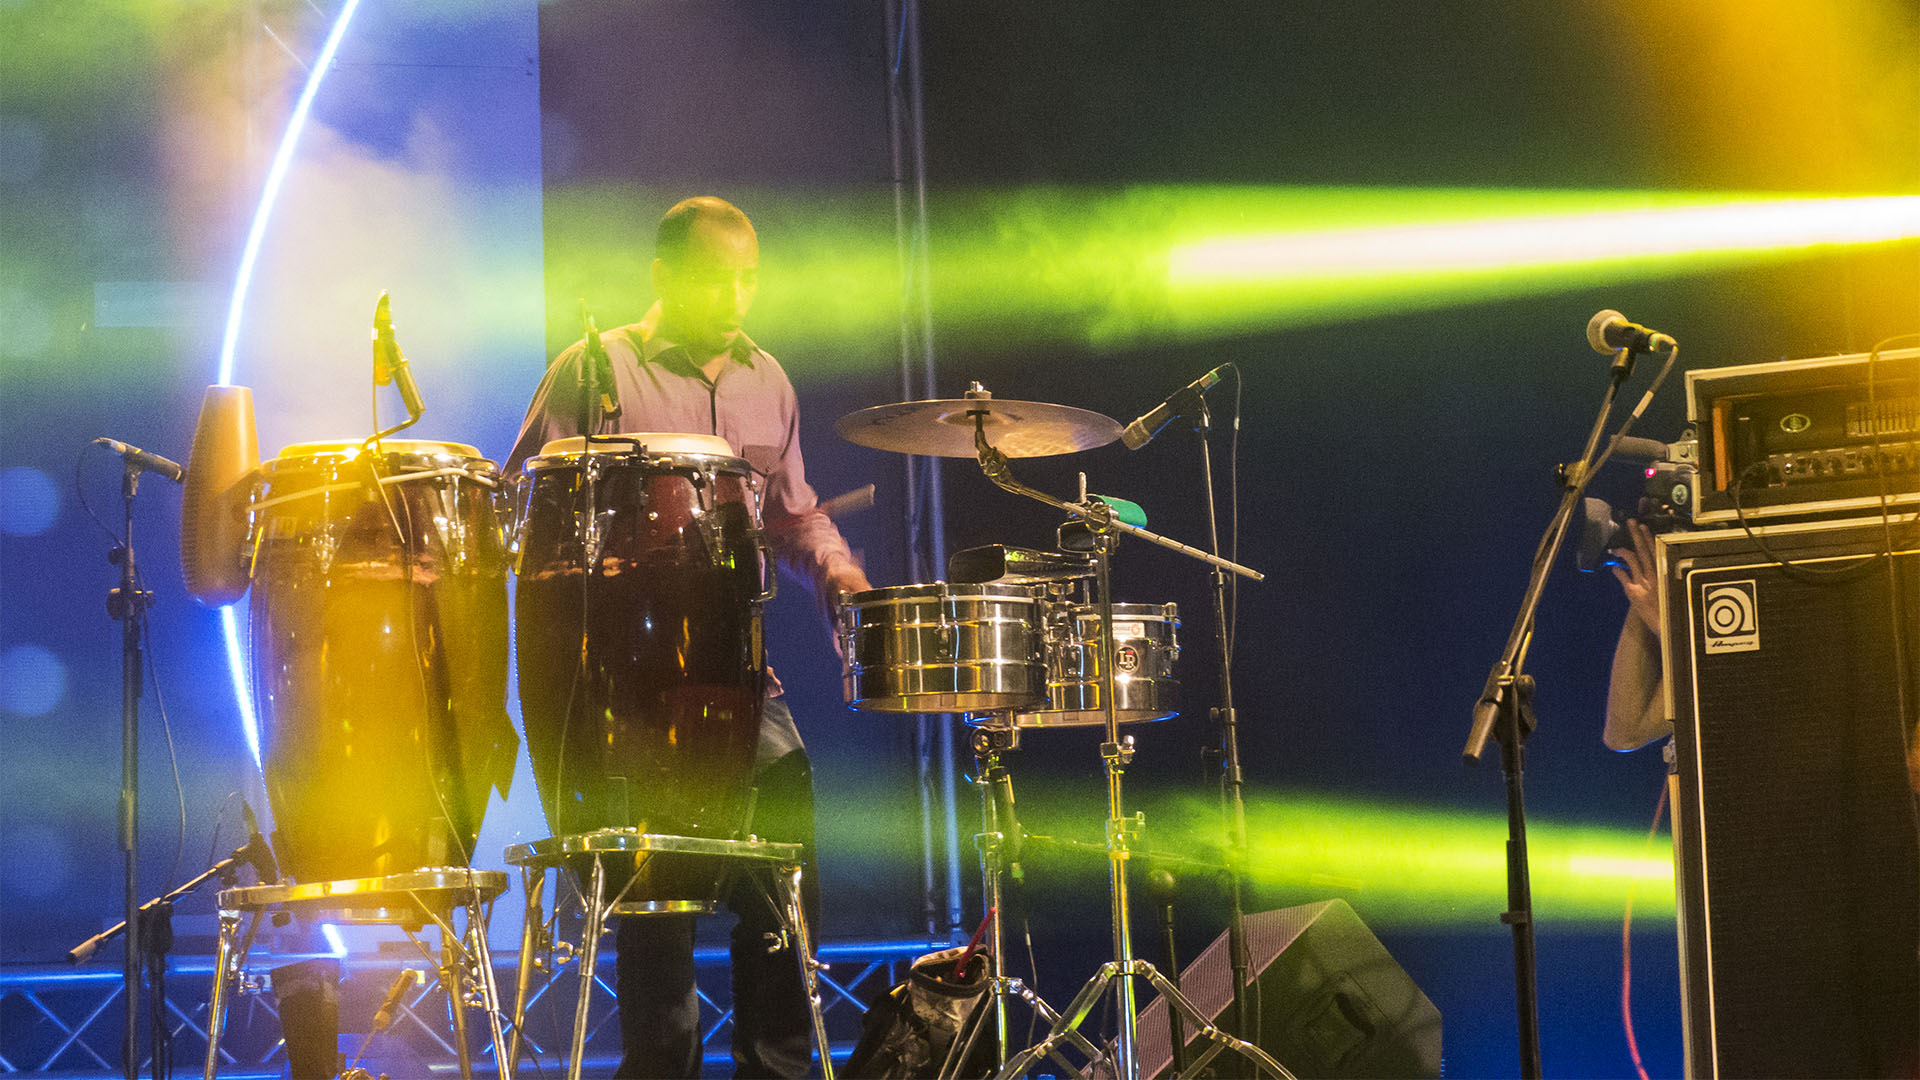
173	755
219	810
80	491
1797	571
1233	514
409	557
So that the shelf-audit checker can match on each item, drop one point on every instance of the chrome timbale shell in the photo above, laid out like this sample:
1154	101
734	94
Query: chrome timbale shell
943	648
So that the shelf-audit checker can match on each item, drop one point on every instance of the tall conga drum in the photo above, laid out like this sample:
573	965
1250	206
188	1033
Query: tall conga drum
379	651
640	576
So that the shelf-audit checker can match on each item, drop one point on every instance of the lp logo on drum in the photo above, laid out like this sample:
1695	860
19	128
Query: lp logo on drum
1731	613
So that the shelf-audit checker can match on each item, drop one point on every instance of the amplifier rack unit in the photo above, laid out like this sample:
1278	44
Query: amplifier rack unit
1802	438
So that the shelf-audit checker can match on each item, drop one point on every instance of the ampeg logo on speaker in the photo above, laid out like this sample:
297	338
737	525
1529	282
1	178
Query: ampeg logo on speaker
1731	617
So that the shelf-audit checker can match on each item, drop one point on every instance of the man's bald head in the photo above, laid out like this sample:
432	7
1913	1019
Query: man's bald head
698	214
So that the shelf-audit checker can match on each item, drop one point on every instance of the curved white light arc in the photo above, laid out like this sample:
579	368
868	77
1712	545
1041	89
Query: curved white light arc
243	279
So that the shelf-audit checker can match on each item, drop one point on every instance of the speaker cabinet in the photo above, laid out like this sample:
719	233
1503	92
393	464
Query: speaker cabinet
1332	1002
1794	824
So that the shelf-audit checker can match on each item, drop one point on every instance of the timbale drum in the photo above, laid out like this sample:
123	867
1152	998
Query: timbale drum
640	577
1146	642
943	648
379	647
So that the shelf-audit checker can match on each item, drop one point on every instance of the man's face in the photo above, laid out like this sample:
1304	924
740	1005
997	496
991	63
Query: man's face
705	294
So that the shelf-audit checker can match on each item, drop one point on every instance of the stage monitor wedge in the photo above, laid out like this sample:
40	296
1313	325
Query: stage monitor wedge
1333	1003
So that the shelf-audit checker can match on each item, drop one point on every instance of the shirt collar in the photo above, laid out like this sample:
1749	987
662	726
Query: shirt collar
654	348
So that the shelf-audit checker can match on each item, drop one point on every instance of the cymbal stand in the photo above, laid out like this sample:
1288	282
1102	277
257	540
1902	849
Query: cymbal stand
1116	753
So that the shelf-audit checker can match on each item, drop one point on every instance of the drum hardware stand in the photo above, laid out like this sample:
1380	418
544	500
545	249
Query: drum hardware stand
464	966
1116	753
555	852
999	848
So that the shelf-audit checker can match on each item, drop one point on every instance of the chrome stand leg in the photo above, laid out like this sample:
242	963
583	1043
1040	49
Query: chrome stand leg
589	959
450	981
789	879
1065	1026
477	926
1177	1003
531	931
217	1007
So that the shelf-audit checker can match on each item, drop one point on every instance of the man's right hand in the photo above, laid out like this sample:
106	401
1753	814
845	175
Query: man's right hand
1637	576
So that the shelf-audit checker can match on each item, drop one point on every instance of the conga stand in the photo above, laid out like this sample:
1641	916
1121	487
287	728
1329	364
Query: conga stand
1116	753
540	932
463	967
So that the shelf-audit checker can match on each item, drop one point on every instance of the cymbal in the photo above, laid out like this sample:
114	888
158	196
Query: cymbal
943	427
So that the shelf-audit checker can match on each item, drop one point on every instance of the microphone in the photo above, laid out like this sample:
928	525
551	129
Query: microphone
257	851
389	363
1634	448
602	365
1609	332
144	459
1184	401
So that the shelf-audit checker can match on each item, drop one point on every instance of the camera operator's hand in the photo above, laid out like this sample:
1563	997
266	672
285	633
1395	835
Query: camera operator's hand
1637	576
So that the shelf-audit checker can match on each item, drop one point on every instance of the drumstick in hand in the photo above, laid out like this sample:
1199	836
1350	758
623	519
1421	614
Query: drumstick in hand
851	502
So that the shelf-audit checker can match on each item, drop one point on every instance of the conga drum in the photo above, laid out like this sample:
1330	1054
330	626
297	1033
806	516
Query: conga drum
379	649
640	576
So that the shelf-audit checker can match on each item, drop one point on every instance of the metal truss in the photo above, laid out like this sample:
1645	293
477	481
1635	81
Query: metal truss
56	1019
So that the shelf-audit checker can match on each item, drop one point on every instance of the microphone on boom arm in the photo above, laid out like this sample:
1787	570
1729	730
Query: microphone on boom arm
1183	403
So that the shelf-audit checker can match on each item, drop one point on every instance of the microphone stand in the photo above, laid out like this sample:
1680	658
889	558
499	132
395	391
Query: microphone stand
128	605
1232	779
1505	711
226	870
154	939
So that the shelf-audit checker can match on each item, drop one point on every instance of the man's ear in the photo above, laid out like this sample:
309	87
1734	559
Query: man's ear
656	274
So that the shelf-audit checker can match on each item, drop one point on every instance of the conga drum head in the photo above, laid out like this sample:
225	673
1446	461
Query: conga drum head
379	630
394	452
655	444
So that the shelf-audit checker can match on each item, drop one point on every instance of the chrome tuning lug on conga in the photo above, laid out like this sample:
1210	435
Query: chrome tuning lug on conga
588	517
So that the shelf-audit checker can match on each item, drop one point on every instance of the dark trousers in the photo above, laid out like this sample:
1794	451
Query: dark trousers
772	1028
